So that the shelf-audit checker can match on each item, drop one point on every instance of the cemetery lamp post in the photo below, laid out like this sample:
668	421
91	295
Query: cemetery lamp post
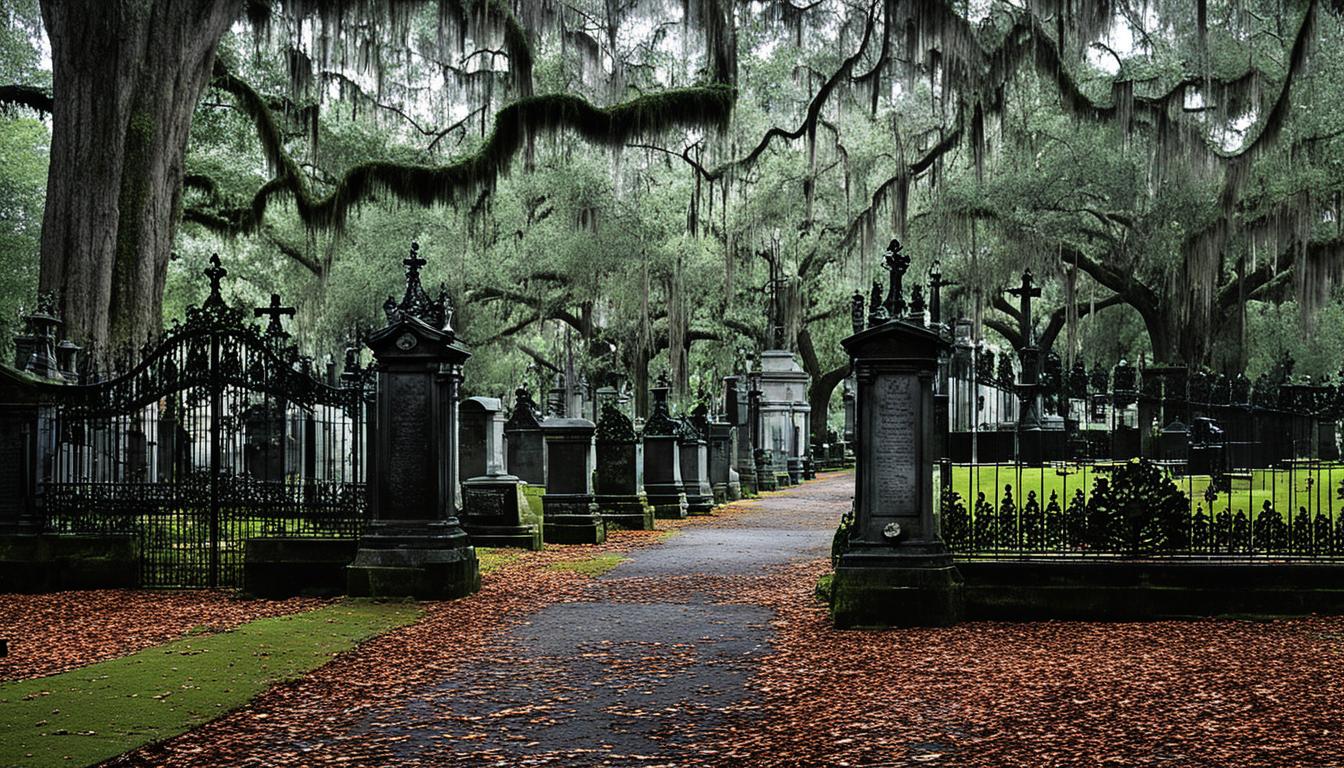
895	569
413	546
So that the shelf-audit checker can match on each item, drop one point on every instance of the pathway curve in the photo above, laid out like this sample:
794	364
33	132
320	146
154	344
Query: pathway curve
642	665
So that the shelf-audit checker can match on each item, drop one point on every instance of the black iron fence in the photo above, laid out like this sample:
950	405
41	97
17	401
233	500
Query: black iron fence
1143	508
218	433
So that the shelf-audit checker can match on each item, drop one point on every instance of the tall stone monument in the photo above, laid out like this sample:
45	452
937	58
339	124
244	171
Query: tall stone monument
620	485
895	569
570	511
526	448
662	458
413	545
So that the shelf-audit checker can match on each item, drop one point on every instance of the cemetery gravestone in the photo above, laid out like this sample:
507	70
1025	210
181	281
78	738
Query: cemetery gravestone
737	410
662	459
722	477
526	457
495	512
571	515
413	546
620	488
895	569
695	468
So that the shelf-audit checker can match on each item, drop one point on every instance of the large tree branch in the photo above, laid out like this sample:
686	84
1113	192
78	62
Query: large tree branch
36	99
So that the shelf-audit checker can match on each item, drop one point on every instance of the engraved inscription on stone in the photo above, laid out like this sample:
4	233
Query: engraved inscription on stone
894	440
485	504
410	469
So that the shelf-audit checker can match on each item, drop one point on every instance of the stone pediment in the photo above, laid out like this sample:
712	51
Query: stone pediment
895	340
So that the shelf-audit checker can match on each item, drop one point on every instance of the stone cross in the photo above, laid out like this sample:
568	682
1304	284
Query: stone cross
216	273
1025	293
897	263
275	311
936	286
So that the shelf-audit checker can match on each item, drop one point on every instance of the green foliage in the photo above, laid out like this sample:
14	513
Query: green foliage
23	177
97	712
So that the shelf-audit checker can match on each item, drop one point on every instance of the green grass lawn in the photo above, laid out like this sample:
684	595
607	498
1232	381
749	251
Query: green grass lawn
592	566
96	712
1312	487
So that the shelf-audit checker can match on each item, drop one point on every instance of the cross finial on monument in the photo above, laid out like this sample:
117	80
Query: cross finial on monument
216	273
936	286
414	262
1025	293
897	263
275	311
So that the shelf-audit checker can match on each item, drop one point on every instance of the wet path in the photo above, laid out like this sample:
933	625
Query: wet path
637	666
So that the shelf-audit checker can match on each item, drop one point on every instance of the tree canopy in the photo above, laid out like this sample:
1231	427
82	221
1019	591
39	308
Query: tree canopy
637	184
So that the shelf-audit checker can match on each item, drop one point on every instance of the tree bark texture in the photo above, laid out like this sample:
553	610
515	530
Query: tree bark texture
126	77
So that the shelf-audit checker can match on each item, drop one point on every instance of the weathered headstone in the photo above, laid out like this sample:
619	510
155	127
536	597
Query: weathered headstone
722	477
413	545
495	512
526	446
620	488
695	468
737	412
895	568
480	424
571	515
784	413
662	459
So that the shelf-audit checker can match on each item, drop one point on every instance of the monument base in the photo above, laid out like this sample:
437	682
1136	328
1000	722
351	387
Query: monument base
720	494
427	560
667	506
495	513
735	491
626	512
884	588
784	480
766	481
572	519
700	501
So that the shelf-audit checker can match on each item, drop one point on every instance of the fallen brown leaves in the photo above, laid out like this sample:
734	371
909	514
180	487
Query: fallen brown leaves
1186	693
63	630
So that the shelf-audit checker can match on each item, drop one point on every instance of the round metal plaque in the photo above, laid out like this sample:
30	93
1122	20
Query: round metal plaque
892	531
406	341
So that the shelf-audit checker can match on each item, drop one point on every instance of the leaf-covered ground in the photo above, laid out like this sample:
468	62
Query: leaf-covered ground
708	648
63	630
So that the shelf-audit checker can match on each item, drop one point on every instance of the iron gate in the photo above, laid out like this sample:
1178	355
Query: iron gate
220	432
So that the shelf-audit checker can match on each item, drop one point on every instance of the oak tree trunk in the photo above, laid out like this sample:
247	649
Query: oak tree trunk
126	76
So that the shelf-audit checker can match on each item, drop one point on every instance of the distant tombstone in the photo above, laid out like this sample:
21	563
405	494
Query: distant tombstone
264	443
894	569
571	515
620	488
784	415
722	477
737	409
413	546
478	431
694	453
495	512
526	446
662	459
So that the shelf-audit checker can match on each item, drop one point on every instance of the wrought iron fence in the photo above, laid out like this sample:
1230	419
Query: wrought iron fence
1142	509
219	433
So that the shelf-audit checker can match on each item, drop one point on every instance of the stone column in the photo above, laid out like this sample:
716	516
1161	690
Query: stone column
571	515
662	459
413	546
620	487
895	569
